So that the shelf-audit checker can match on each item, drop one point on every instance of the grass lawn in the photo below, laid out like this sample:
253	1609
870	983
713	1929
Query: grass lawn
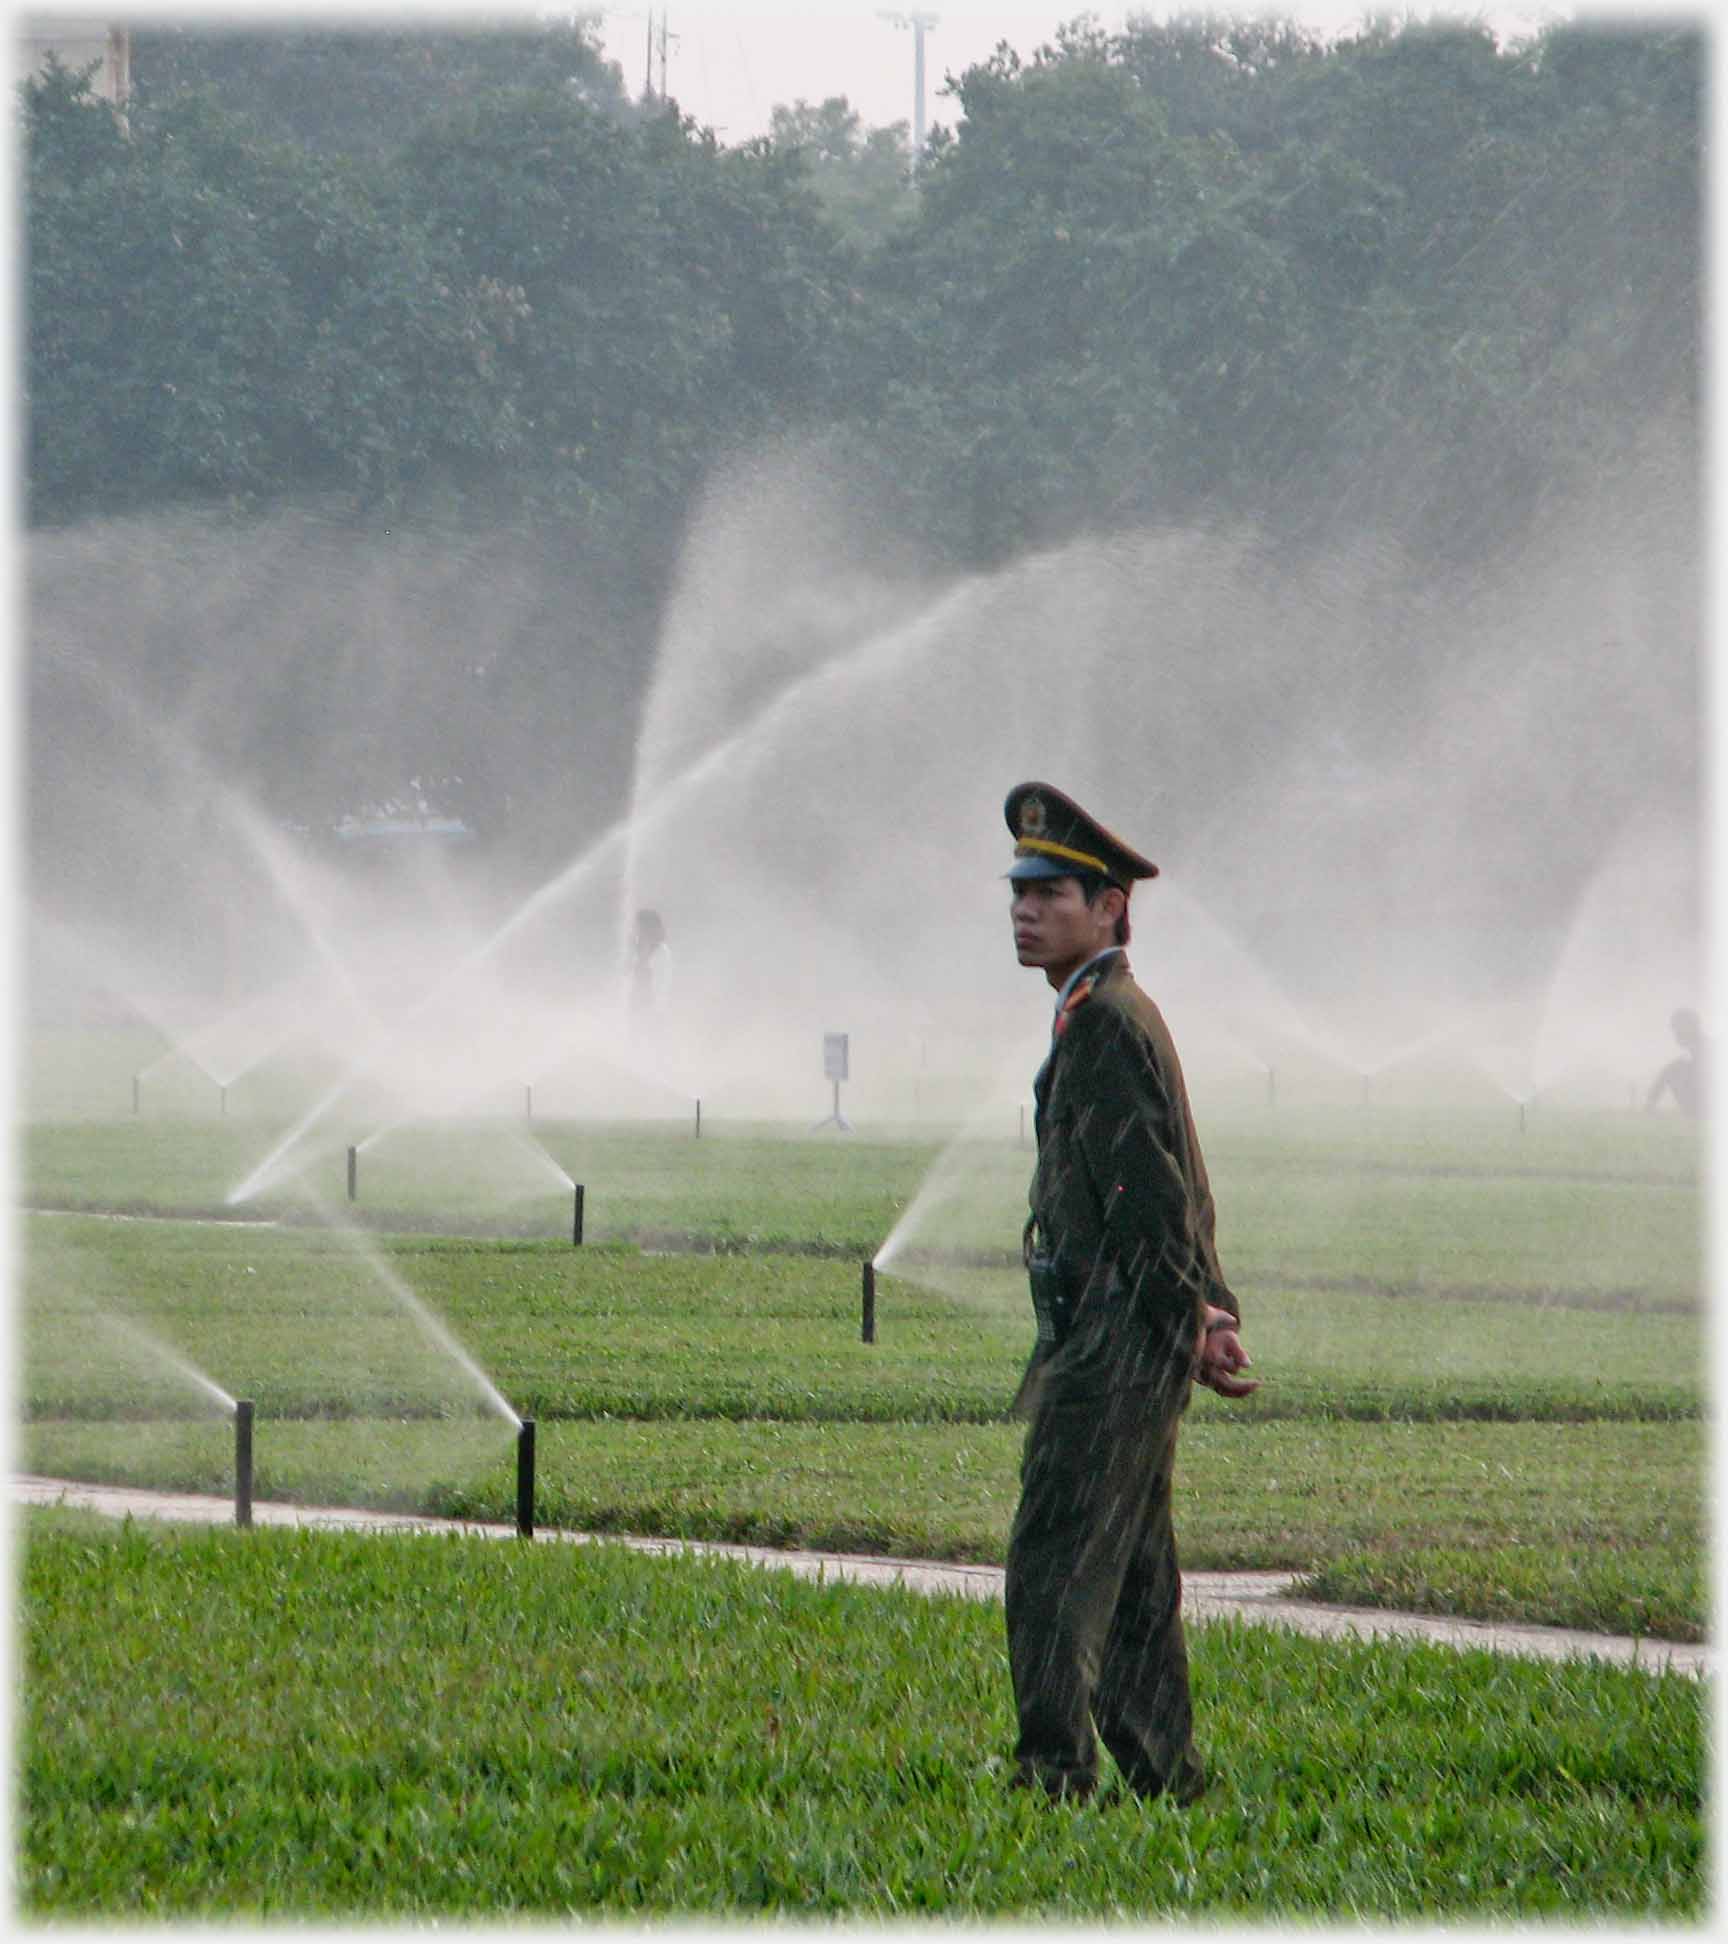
280	1725
731	1397
1482	1354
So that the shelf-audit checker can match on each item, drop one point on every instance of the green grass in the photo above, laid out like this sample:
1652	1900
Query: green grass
730	1397
299	1725
309	1323
1585	1209
1605	1520
1484	1395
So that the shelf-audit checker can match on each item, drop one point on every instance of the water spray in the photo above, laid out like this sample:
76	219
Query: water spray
525	1480
353	1174
243	1463
576	1217
867	1333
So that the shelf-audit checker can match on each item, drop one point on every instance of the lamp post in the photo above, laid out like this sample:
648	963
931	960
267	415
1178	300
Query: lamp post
920	23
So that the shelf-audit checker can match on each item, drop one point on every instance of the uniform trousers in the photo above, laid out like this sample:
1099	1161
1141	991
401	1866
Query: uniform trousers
1093	1595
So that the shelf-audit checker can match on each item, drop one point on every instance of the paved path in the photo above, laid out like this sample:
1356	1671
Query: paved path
1258	1597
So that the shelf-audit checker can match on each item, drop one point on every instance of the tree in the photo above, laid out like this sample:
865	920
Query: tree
863	178
364	92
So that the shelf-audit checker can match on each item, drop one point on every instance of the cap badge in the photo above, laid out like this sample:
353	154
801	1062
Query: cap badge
1033	817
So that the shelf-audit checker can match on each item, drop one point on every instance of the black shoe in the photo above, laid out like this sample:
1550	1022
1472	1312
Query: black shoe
1057	1785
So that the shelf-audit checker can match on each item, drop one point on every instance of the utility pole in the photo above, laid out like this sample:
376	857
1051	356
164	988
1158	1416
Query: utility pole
648	59
920	23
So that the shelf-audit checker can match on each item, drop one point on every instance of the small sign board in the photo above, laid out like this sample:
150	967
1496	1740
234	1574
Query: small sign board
834	1047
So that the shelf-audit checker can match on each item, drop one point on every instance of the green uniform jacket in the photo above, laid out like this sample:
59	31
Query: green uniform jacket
1120	1196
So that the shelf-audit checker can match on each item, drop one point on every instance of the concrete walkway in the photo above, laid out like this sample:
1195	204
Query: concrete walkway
1257	1597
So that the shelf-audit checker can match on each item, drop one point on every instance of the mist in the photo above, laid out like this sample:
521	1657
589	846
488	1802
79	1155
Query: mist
1448	823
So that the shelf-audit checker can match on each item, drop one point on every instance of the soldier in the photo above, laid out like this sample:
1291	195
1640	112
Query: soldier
1131	1310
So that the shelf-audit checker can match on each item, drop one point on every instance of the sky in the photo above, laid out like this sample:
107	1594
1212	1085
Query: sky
730	63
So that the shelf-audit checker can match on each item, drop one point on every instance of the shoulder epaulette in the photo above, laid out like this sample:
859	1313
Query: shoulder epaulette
1075	1000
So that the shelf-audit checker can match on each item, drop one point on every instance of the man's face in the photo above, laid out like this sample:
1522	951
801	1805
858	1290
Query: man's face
1055	929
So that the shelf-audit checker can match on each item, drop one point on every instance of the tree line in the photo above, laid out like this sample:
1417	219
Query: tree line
1210	269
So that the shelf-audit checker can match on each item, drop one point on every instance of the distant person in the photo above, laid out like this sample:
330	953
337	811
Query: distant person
1684	1077
1132	1309
650	966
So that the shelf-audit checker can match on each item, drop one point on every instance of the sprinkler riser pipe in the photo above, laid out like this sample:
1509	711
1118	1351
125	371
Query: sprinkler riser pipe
135	1084
576	1217
698	1120
525	1480
867	1331
243	1463
527	1103
353	1174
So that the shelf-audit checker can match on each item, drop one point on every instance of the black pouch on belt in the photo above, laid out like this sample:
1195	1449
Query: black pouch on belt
1054	1294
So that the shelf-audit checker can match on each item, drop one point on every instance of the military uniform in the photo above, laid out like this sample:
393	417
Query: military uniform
1122	1260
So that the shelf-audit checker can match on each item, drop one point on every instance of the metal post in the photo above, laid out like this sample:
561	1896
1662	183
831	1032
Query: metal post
576	1219
353	1174
525	1480
919	23
243	1463
868	1332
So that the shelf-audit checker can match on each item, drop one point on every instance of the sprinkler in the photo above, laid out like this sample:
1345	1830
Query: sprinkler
243	1463
527	1103
353	1174
224	1100
525	1480
576	1219
1022	1123
867	1333
135	1081
698	1120
1520	1117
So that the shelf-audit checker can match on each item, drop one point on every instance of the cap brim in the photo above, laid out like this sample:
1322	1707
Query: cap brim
1024	868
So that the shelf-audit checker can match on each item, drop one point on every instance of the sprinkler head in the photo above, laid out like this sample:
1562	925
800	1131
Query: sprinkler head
525	1480
243	1463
